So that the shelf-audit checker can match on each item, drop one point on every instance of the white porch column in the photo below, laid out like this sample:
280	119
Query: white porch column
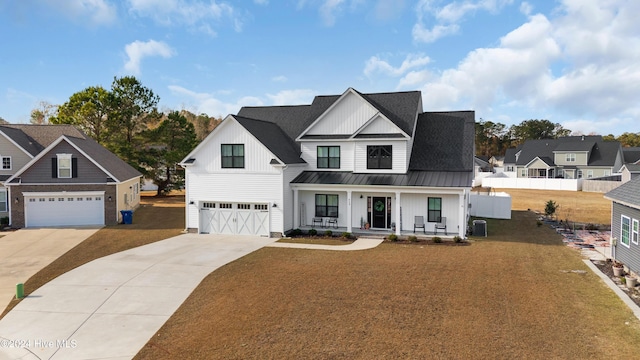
349	212
296	210
397	211
462	217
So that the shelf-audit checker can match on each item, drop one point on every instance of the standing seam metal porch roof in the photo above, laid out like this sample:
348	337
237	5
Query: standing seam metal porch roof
411	178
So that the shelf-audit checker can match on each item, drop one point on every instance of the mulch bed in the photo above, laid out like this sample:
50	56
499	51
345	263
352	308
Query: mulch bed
606	268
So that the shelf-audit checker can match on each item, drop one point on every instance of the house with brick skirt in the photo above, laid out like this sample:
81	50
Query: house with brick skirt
625	223
58	176
343	162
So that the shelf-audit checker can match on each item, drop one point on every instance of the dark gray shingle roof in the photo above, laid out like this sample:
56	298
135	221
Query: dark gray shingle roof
35	138
627	193
602	153
274	138
444	141
411	178
631	154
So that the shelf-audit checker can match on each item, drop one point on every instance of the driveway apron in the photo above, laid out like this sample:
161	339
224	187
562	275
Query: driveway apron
109	308
26	251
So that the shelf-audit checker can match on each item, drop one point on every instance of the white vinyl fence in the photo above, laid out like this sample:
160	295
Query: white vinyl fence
532	183
491	205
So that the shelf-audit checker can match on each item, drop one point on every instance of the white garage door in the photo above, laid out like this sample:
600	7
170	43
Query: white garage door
64	209
234	218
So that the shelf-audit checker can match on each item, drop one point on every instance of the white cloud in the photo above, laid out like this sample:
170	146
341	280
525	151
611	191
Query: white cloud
280	78
138	50
196	15
207	103
447	19
581	62
329	10
292	97
376	65
94	12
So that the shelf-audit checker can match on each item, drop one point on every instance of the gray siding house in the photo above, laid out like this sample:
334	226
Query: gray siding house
571	157
625	223
55	175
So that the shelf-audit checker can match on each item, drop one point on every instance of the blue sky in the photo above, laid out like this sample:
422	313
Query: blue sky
574	62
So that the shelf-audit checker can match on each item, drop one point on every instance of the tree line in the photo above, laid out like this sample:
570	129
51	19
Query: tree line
125	119
493	139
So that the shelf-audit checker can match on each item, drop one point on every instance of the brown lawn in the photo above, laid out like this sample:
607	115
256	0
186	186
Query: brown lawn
579	206
157	219
509	296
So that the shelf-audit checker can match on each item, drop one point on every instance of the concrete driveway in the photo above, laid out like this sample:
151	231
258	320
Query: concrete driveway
110	307
26	251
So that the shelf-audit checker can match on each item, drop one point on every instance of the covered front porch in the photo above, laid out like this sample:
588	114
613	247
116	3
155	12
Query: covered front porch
380	210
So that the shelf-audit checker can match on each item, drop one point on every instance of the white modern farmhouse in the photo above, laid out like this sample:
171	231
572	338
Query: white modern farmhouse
345	162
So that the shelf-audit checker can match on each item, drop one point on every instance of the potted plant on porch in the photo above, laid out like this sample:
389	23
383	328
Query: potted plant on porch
618	269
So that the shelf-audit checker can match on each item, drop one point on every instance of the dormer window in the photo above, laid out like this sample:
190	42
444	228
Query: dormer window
64	166
570	157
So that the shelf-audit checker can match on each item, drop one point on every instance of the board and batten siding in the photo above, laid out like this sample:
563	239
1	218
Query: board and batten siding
256	156
289	173
347	116
630	256
399	161
41	171
310	154
380	125
233	188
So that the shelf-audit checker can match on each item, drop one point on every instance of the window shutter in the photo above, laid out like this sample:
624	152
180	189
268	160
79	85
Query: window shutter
54	168
74	167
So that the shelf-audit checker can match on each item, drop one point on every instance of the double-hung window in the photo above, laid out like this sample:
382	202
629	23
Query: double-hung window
379	157
326	205
64	166
634	232
625	231
434	211
232	156
570	157
328	157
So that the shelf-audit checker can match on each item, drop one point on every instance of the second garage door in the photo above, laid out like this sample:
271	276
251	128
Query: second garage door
234	218
64	209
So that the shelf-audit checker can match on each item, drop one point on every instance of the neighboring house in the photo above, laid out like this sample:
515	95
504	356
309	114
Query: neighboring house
571	157
631	155
496	161
55	175
625	223
342	161
630	171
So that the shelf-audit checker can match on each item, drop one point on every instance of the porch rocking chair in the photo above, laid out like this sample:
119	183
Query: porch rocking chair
442	225
419	223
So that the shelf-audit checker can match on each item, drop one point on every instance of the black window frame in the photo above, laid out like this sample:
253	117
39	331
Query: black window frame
332	162
323	209
237	161
380	157
434	214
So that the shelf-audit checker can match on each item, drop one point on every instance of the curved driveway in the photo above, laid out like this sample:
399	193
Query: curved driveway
109	308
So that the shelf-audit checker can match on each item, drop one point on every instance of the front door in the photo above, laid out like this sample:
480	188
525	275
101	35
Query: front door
379	213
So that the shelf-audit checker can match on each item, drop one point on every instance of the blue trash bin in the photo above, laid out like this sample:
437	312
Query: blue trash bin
127	216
